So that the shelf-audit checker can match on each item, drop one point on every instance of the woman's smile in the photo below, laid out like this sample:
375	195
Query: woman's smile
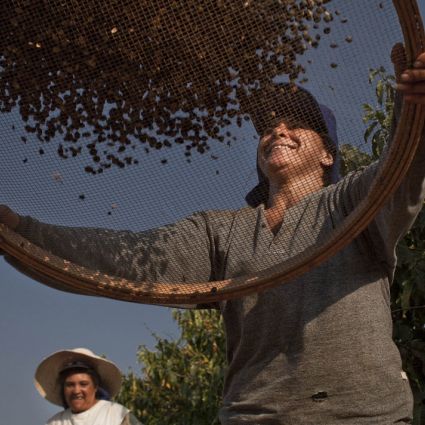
280	145
80	392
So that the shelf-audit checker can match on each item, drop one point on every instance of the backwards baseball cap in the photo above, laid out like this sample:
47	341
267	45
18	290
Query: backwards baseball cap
294	104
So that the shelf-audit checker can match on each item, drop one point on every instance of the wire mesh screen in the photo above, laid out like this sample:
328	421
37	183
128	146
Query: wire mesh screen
130	132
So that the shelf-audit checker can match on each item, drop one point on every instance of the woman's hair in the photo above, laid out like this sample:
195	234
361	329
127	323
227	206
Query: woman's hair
71	371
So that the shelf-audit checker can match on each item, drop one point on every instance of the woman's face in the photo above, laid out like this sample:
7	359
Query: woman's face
292	152
79	391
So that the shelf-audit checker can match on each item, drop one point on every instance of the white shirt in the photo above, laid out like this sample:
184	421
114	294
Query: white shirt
102	413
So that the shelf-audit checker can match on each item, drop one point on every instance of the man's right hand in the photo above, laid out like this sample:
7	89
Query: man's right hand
8	217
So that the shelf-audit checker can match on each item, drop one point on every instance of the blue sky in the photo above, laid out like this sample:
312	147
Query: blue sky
36	320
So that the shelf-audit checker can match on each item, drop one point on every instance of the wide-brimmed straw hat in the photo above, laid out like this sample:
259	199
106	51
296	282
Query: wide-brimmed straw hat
46	378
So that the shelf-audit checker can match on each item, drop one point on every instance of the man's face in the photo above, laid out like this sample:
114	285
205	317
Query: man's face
292	152
79	392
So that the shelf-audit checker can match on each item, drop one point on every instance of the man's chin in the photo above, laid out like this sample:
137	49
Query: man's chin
78	407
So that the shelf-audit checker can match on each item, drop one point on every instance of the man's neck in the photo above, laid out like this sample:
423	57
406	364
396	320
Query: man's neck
283	196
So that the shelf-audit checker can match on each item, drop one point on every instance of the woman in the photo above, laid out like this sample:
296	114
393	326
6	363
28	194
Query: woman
318	350
82	383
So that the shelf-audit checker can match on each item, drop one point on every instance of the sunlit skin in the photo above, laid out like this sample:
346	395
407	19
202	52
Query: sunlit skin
289	156
293	160
79	391
411	82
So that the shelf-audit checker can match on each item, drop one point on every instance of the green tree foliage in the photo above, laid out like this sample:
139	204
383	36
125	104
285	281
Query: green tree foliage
182	379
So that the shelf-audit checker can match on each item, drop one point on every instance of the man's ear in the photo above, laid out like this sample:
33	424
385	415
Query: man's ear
327	159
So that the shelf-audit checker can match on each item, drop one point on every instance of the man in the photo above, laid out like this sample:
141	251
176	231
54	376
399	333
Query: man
317	350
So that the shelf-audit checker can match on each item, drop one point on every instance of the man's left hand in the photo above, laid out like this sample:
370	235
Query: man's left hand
412	82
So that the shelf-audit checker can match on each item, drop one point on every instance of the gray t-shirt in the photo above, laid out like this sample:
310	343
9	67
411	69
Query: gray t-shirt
317	350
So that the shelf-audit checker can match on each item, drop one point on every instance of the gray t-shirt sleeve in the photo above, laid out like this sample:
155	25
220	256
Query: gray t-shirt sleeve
399	212
179	252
